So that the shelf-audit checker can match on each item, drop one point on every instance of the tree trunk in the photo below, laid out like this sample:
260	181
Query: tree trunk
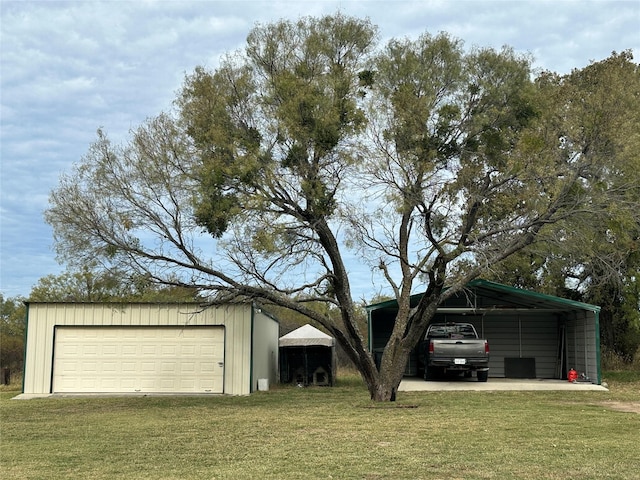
393	364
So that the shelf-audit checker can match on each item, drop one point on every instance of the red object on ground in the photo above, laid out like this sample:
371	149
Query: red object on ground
572	376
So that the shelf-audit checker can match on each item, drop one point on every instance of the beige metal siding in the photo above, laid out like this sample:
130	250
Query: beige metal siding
43	317
265	348
237	349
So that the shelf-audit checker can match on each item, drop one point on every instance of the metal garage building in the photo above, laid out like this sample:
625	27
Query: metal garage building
148	348
531	335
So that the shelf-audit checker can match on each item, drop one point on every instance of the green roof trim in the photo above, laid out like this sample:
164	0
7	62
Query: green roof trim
498	287
532	294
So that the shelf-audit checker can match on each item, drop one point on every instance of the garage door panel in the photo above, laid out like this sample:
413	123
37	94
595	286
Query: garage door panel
128	367
129	350
207	350
168	367
188	368
207	367
88	350
168	384
110	367
138	359
129	384
168	350
188	351
108	383
148	367
109	350
85	383
89	368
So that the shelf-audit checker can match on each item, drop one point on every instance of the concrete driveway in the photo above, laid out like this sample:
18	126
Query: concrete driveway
494	384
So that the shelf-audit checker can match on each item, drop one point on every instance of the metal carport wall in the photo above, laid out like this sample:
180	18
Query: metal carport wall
557	333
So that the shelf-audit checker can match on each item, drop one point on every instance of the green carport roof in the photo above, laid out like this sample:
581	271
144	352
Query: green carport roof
515	297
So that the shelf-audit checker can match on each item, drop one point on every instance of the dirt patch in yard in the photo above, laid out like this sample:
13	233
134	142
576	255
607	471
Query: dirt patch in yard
630	407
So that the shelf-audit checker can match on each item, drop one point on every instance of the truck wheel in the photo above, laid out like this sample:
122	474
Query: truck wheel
483	375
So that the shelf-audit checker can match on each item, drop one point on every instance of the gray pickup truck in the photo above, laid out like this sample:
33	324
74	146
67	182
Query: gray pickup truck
454	347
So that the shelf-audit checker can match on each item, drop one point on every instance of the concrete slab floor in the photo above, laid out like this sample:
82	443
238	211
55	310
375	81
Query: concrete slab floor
495	384
415	384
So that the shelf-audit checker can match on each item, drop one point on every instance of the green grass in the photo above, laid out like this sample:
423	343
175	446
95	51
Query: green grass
324	433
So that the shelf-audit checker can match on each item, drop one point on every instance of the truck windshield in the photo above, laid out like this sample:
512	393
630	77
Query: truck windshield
451	331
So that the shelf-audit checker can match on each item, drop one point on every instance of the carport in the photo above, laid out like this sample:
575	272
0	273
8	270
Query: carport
531	335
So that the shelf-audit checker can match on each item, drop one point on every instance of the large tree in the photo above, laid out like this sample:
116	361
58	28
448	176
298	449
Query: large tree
428	162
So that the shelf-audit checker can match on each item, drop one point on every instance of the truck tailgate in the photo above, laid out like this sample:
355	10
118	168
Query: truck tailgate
458	348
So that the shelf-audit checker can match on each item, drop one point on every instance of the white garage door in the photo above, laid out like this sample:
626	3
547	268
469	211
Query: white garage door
138	359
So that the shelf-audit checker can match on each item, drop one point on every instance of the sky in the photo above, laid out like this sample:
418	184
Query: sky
68	68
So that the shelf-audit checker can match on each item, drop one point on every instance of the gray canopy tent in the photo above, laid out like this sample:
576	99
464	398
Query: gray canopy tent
307	357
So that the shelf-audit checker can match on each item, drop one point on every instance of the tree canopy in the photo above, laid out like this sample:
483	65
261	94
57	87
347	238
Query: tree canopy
595	258
429	162
92	283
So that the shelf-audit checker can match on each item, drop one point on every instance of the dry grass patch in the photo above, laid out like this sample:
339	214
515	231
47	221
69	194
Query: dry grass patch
631	407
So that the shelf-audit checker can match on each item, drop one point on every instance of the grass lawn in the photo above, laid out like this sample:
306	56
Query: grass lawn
327	433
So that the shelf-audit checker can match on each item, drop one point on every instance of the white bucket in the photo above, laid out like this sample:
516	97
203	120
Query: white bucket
263	384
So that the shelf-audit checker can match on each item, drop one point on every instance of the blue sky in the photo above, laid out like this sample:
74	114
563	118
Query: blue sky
68	68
